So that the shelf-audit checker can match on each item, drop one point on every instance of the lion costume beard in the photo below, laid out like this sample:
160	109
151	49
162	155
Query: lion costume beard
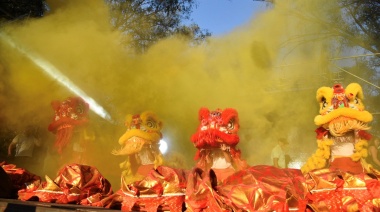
341	125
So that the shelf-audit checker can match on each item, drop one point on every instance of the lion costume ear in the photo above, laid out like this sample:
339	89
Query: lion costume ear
150	116
354	94
128	120
230	116
55	104
354	90
203	113
326	93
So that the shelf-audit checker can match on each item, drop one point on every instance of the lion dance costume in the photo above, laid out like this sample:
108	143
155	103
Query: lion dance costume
337	175
140	143
76	183
222	181
216	139
70	114
145	183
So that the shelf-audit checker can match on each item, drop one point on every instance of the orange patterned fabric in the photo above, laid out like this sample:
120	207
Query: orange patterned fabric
334	190
347	164
258	188
152	204
21	179
78	184
162	189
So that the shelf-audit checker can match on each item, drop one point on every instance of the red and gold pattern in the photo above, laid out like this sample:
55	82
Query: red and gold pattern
240	187
257	188
336	176
21	179
335	190
75	184
146	185
163	188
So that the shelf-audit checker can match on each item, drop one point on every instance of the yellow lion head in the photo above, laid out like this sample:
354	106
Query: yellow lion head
339	102
142	129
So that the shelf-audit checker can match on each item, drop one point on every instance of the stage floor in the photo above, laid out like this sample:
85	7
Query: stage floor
13	205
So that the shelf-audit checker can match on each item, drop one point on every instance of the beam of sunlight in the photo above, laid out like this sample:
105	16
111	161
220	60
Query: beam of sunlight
53	72
163	146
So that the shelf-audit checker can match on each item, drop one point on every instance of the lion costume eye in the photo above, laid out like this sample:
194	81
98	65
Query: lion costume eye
231	124
151	123
324	103
80	109
356	101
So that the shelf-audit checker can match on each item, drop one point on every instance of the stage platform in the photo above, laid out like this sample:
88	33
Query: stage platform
13	205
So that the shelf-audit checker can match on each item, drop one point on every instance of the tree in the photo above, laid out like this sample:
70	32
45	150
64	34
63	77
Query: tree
143	21
358	27
361	25
147	21
351	25
21	9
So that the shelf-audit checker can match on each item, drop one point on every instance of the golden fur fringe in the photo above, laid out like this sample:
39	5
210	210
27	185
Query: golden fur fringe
126	165
361	150
319	158
341	125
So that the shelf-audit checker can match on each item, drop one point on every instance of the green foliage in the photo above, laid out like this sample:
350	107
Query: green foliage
147	21
144	22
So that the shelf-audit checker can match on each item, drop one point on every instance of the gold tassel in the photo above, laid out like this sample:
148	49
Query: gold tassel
360	150
318	159
126	165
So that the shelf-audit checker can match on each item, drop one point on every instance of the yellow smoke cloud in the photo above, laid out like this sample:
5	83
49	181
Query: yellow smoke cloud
264	69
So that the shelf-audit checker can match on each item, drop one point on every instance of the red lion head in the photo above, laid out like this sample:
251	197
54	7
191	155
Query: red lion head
217	131
69	113
216	128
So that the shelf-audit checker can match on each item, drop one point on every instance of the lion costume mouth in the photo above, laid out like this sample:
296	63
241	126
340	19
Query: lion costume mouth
132	146
142	130
217	129
217	137
342	125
